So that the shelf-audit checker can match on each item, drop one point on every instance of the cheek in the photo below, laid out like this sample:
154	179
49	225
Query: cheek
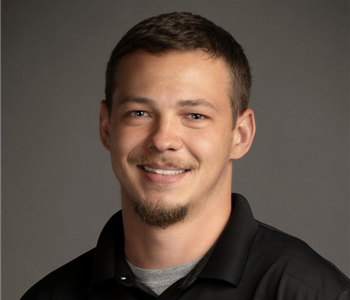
122	143
209	145
127	142
204	144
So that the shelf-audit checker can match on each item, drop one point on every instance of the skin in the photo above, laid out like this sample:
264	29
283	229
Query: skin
172	112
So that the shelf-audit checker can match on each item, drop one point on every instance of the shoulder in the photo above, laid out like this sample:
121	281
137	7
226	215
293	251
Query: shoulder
296	267
71	281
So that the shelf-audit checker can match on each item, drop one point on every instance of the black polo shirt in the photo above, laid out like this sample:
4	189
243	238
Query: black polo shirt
250	261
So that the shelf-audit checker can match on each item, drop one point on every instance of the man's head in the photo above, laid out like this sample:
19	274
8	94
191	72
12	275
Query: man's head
175	82
184	32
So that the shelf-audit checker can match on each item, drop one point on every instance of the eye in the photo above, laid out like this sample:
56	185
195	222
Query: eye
139	113
196	116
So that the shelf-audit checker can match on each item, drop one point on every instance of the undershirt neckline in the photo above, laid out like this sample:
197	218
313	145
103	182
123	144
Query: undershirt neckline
158	280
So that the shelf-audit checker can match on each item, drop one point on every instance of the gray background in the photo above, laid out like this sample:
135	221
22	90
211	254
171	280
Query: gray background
58	187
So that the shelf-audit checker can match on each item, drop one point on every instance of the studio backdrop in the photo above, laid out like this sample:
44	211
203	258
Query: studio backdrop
58	188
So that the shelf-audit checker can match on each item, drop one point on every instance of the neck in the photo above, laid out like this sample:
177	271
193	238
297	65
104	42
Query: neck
151	247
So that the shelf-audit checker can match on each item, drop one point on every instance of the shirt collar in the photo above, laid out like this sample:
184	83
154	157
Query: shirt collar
225	261
110	242
229	255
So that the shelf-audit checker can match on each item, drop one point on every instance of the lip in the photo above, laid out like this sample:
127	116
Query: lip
162	179
162	167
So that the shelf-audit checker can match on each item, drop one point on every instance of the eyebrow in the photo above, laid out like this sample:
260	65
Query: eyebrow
197	102
137	100
181	103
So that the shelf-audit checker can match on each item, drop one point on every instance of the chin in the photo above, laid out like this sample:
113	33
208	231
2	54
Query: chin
161	216
160	212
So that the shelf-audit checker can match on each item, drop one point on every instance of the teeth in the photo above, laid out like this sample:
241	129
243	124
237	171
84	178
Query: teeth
164	172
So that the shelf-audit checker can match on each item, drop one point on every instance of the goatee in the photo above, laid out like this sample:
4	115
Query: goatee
159	216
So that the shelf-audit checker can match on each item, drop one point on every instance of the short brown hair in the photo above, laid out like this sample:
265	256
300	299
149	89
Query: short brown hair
185	32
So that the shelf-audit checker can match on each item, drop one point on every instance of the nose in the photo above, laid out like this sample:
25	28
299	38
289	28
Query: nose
165	135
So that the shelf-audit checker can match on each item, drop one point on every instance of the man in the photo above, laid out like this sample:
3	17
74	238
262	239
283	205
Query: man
175	117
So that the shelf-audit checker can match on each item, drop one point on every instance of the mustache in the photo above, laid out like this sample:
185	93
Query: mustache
170	161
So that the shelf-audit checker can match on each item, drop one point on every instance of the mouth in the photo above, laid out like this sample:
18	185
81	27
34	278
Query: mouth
164	171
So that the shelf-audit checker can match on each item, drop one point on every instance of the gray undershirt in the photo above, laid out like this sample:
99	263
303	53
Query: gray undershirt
158	280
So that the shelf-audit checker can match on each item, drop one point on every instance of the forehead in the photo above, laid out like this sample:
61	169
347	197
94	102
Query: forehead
183	75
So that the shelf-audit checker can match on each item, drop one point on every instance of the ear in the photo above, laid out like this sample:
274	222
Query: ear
105	126
243	134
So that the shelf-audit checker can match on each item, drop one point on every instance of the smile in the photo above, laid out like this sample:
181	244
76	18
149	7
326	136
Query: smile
163	172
